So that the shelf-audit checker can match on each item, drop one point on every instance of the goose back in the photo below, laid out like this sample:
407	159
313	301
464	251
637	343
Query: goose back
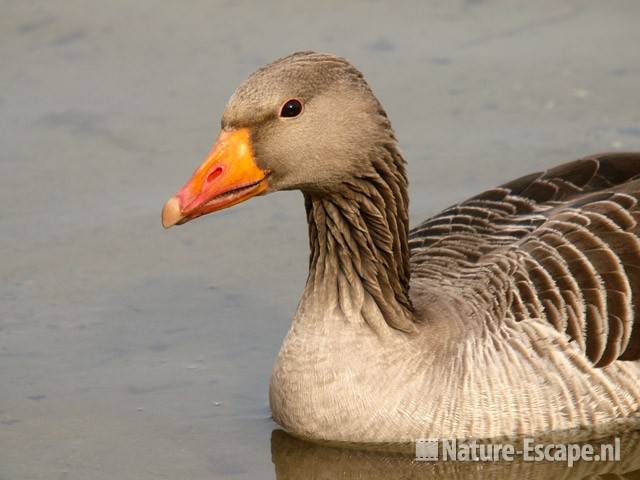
560	246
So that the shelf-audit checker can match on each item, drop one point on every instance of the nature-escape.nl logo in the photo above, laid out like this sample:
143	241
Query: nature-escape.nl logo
529	451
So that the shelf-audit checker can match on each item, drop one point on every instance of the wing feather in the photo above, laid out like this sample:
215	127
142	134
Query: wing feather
561	246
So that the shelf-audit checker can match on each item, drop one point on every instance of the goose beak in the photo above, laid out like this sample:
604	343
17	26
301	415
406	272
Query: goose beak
229	175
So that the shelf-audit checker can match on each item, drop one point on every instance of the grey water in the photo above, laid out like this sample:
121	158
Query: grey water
131	352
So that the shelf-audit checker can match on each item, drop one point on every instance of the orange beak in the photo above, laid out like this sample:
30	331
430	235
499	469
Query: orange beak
229	175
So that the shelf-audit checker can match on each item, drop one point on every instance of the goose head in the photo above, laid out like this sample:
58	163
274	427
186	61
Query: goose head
308	121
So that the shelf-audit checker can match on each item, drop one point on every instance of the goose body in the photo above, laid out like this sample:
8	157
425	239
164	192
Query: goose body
511	313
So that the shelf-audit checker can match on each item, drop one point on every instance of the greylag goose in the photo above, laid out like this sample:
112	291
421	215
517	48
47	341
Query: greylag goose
511	313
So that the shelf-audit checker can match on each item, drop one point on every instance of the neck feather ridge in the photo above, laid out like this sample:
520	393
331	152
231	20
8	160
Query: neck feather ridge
359	262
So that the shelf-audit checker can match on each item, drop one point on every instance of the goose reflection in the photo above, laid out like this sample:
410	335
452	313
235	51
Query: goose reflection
295	459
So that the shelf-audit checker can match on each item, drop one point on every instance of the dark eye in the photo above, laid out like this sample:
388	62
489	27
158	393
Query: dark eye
292	108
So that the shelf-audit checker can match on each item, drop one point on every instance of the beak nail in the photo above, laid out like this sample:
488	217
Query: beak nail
171	213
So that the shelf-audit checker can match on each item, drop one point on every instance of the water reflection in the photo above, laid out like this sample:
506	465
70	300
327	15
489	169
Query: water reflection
295	459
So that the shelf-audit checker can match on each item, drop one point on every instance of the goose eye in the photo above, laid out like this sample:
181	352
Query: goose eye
292	108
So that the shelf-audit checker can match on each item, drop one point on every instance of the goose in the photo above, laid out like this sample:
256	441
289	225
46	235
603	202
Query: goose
511	313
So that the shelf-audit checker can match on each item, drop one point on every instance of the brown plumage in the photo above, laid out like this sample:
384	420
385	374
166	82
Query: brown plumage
511	313
568	240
